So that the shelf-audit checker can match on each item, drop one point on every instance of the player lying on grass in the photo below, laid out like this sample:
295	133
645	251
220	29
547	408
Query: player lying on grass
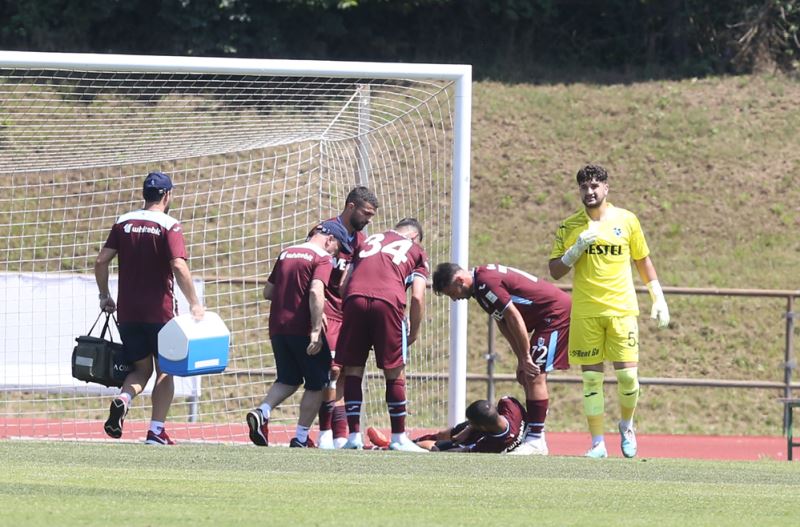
488	428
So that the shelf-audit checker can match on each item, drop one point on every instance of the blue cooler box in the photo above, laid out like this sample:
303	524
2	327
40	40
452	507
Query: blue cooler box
193	347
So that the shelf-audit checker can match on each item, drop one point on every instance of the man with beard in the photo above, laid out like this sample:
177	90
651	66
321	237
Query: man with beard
600	240
360	207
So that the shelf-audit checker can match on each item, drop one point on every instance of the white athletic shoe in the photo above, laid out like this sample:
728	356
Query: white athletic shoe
339	442
598	451
627	441
535	447
407	445
355	442
326	440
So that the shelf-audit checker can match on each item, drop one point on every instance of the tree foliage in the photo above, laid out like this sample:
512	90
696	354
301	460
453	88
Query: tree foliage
689	36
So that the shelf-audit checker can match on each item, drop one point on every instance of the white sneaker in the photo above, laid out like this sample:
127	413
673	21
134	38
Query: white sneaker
535	447
325	440
598	451
356	442
407	445
627	441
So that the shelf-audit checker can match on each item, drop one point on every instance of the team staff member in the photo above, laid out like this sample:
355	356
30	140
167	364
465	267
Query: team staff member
151	250
600	240
296	288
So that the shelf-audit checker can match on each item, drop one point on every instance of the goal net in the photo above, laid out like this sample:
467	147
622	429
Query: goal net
259	151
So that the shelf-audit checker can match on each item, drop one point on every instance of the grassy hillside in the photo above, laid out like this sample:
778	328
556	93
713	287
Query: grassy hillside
709	167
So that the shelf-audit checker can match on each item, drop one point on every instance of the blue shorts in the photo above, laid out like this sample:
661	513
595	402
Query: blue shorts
140	340
294	365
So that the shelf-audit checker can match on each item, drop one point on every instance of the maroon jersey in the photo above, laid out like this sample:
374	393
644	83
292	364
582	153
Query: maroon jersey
385	266
333	296
540	303
146	242
509	439
296	267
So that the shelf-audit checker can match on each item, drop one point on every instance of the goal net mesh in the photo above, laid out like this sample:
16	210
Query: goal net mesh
257	160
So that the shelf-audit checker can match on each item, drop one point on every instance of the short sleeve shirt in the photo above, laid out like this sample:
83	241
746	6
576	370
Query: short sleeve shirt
386	264
291	278
514	413
603	282
540	303
146	242
333	295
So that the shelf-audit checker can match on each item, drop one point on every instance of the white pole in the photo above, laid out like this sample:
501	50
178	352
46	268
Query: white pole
460	246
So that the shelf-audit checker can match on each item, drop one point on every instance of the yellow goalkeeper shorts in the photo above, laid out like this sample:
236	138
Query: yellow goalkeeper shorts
597	339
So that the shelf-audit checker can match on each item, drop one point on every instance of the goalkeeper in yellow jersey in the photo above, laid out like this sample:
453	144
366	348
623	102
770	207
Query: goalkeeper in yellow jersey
599	241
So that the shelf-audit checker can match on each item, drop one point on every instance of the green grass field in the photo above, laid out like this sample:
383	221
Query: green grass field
132	484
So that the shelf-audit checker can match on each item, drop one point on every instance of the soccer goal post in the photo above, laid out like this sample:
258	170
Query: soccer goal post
259	151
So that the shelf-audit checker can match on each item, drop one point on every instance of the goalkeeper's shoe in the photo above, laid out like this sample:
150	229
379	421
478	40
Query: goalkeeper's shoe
259	427
627	441
295	443
160	438
116	416
598	451
377	437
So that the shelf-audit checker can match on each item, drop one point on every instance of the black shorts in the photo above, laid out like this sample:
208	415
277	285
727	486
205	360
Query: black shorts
294	365
140	340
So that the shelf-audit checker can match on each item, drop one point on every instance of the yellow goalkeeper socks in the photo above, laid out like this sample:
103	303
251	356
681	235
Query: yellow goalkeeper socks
593	401
628	389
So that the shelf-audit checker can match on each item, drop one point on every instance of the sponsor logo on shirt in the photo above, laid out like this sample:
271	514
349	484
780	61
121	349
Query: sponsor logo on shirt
491	297
139	229
614	250
292	256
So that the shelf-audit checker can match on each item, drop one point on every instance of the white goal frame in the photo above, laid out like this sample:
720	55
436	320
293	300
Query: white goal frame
461	75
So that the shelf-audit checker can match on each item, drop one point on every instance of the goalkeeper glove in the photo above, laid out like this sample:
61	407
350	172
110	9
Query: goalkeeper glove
660	312
585	239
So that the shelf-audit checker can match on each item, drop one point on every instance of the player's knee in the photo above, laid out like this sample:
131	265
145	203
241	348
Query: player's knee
592	382
628	380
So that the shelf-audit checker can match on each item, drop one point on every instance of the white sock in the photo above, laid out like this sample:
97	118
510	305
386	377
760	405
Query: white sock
596	440
325	435
339	442
399	438
354	437
301	433
265	410
156	426
125	396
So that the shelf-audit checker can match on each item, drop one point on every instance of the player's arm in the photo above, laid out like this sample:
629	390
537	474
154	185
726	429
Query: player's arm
558	268
561	266
647	272
316	304
184	278
416	307
512	326
101	277
268	289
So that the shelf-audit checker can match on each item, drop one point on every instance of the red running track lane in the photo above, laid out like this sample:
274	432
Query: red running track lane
559	443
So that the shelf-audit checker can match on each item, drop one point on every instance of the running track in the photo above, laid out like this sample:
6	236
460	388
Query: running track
560	443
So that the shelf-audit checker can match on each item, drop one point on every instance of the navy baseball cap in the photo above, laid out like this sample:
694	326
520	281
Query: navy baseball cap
338	231
157	181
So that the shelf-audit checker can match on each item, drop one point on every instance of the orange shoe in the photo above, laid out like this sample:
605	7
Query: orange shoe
377	438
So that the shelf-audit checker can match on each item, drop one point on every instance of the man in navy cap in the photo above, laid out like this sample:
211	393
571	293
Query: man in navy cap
151	252
296	288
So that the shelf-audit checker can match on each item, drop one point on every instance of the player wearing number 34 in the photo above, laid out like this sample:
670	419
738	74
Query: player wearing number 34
374	317
599	241
533	315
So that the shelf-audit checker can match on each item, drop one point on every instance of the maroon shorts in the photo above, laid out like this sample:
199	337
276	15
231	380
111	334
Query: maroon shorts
332	330
549	348
370	322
